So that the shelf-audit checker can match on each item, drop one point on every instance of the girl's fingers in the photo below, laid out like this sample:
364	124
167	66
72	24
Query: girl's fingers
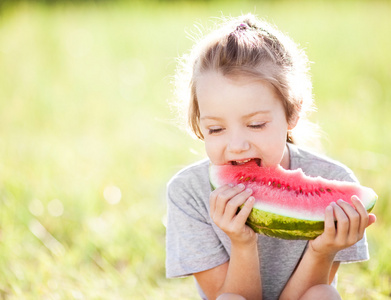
224	195
213	197
329	225
227	198
371	219
342	222
243	214
233	204
351	223
367	219
224	204
354	218
362	212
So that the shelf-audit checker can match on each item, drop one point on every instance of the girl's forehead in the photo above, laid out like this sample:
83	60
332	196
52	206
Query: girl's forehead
219	95
214	84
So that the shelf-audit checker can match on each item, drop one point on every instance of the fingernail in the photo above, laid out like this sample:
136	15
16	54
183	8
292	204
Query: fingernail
250	200
249	190
241	185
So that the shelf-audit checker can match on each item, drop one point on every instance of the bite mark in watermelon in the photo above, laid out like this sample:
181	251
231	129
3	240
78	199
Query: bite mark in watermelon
288	204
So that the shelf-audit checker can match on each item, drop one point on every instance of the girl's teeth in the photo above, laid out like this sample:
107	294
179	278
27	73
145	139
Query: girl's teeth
242	162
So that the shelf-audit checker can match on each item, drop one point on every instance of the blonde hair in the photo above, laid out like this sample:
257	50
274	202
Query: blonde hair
246	46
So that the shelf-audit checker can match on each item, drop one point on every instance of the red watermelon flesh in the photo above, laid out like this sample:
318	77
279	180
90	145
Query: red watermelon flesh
288	198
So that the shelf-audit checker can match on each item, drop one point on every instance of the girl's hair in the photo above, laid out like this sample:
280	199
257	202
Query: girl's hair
246	46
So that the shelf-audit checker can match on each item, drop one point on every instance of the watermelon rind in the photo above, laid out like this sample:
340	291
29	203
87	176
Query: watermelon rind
283	227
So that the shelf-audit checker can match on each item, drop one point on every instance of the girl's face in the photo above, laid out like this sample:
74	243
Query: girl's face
242	119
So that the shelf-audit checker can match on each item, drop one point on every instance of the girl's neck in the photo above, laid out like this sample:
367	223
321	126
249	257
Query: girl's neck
286	162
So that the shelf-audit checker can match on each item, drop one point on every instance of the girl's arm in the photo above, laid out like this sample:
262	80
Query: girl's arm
241	275
316	266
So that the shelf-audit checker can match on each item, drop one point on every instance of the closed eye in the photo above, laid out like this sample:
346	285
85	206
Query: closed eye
215	130
257	126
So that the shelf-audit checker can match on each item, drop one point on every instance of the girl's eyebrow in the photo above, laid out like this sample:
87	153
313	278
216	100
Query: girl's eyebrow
211	118
259	112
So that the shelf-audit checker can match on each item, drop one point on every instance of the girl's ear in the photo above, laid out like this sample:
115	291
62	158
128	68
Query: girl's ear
293	122
294	119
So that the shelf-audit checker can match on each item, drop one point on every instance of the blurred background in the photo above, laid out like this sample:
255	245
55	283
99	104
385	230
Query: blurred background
88	140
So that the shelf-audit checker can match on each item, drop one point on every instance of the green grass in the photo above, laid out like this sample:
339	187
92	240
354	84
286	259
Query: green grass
83	106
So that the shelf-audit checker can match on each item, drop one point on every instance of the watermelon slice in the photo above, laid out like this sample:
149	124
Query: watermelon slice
288	204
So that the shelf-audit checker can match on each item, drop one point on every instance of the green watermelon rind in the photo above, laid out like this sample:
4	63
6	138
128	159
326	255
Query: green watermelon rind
283	227
288	228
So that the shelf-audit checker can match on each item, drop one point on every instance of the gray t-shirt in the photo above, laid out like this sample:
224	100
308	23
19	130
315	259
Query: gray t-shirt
194	243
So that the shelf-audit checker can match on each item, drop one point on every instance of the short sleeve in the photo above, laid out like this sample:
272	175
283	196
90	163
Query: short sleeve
191	243
357	252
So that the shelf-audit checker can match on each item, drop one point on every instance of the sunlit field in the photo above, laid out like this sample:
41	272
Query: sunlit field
88	140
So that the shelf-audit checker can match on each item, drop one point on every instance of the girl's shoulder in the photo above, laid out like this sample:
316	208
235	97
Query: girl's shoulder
194	174
189	189
315	164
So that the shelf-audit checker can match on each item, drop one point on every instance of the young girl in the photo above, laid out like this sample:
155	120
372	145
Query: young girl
248	91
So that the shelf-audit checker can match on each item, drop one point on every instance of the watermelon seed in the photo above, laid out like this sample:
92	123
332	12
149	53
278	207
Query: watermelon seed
329	190
279	185
321	189
247	179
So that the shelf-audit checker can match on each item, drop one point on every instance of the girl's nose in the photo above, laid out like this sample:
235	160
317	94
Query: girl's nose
238	143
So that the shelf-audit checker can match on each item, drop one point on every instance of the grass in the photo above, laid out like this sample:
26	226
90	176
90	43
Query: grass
83	109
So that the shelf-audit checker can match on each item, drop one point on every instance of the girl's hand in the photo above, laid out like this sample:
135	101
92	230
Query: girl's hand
349	229
224	203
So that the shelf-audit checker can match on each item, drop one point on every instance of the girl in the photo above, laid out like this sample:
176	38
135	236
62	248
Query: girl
248	89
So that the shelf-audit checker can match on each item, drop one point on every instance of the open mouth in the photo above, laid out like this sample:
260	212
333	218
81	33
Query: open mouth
246	161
